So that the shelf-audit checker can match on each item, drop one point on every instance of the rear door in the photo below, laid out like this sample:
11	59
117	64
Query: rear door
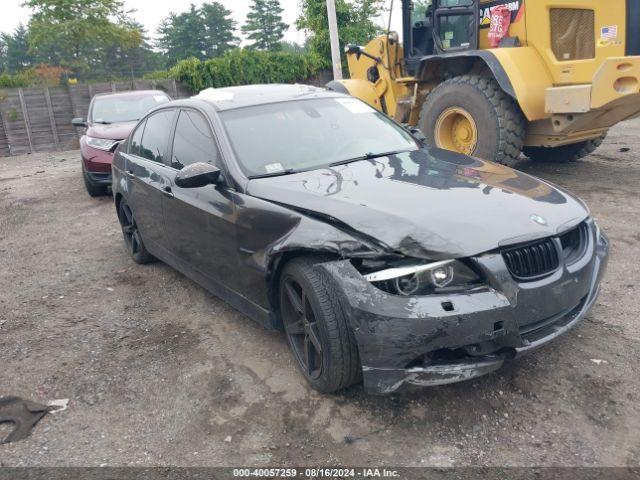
200	222
148	176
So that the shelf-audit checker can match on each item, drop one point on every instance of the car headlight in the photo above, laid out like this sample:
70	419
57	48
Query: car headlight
424	279
101	143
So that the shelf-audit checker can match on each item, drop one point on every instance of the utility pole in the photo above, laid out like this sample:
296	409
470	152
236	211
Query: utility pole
335	43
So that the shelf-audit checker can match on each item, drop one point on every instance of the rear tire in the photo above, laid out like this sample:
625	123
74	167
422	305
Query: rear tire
132	237
565	153
479	103
317	330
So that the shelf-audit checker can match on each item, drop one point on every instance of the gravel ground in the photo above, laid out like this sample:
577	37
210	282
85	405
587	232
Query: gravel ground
160	372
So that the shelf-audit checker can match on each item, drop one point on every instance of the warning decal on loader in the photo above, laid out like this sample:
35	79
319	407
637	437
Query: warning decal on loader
515	7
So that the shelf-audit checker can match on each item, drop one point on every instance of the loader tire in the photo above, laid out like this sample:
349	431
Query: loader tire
474	105
565	153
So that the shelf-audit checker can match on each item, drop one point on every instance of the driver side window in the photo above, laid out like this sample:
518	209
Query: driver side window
193	141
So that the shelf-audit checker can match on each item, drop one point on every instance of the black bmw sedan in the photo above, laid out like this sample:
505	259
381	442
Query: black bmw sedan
382	259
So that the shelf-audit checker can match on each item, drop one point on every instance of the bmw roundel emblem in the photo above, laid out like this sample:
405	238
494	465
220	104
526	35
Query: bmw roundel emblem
538	219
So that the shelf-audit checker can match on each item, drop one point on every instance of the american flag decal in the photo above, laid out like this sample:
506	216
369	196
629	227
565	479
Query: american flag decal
609	32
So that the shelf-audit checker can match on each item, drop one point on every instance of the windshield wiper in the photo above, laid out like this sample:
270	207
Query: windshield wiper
102	122
287	171
367	156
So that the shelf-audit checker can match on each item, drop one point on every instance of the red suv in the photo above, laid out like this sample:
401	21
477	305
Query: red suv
111	118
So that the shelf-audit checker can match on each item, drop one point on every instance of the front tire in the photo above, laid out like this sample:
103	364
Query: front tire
317	330
132	238
472	115
565	153
92	189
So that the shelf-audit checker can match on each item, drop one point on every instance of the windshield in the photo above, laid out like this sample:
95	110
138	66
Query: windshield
308	134
124	108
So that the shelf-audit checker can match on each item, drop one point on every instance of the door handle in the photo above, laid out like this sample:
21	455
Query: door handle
166	191
129	173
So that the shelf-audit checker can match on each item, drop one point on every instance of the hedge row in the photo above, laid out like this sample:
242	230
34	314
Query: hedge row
18	80
246	67
236	67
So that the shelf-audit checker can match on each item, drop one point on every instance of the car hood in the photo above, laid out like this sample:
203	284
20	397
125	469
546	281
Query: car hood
428	203
112	131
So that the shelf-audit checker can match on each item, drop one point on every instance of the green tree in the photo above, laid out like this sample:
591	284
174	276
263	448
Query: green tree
292	47
16	48
355	24
76	34
199	33
134	62
264	25
218	29
182	36
3	54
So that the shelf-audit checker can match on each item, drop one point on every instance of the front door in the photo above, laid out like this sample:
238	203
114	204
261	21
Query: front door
200	222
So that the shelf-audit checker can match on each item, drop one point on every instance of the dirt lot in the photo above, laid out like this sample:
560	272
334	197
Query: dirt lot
159	372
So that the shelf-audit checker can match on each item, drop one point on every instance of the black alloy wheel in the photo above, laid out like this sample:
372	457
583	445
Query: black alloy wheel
301	328
131	234
316	326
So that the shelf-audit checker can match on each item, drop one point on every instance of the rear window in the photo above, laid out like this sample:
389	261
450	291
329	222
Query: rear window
136	139
155	136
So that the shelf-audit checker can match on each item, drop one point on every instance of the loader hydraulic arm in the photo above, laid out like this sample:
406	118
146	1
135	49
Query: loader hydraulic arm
358	51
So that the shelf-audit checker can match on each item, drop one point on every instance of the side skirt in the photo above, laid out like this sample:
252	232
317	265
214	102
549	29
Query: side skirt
233	298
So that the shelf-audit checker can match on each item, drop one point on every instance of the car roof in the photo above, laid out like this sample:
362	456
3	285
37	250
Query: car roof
250	95
131	93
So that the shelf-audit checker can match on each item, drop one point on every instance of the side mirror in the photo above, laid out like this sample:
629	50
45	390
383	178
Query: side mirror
79	122
197	175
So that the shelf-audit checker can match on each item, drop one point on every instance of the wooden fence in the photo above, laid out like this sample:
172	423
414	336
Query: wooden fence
39	119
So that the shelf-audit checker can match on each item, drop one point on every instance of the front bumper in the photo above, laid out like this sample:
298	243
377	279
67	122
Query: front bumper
440	339
94	160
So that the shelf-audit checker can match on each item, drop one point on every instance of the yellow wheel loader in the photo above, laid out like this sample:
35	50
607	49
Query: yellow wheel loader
496	78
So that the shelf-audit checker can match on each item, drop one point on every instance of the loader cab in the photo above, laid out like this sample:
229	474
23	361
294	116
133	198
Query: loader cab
435	27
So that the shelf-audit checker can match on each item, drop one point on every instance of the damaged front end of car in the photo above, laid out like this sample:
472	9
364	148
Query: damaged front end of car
491	270
426	322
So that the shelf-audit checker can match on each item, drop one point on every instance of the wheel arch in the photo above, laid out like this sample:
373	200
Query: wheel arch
117	200
520	72
274	271
439	67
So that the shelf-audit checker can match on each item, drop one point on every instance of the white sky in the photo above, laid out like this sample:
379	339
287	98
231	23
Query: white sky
151	12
